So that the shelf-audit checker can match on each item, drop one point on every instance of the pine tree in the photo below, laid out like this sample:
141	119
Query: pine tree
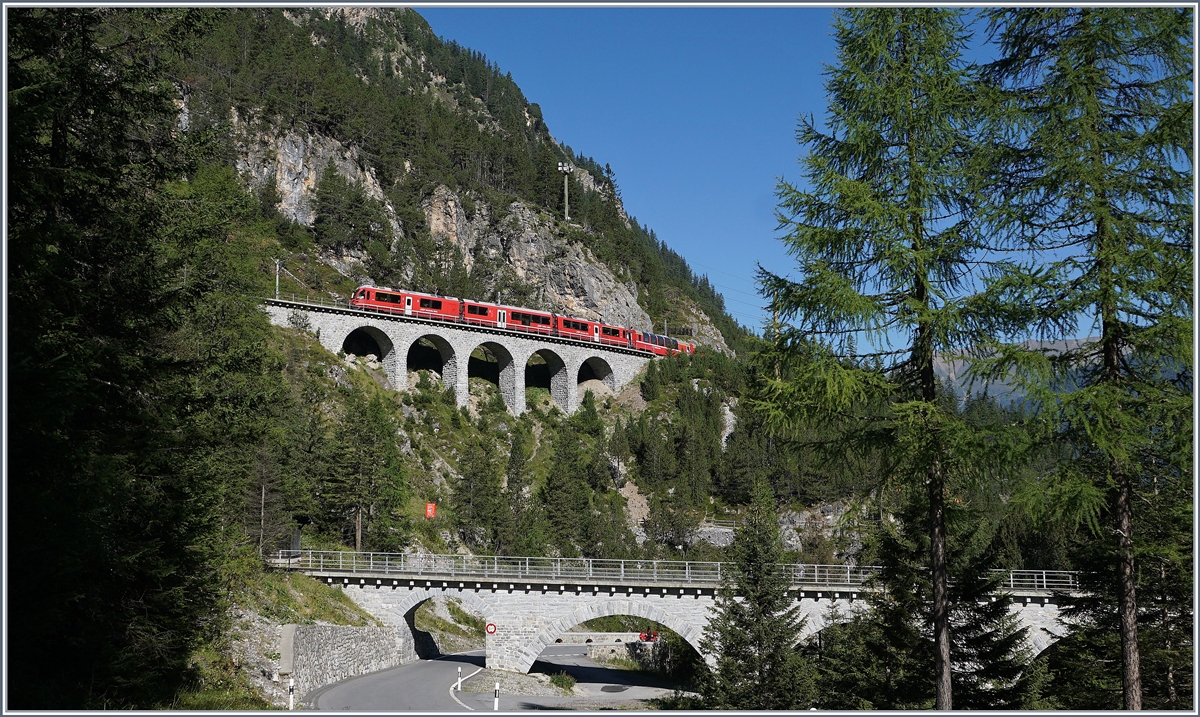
346	216
477	493
754	628
1092	177
367	484
885	247
119	532
586	419
521	525
565	493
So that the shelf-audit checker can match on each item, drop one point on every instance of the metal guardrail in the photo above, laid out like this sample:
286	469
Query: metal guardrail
428	316
597	569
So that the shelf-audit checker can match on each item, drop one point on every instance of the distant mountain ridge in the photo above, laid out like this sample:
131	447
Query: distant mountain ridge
954	372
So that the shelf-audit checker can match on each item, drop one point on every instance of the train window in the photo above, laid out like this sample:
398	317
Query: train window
477	310
390	298
431	304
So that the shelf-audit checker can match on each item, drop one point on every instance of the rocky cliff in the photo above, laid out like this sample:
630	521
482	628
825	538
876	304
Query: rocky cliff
510	248
525	244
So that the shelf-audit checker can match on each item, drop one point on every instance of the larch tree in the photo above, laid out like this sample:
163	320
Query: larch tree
1091	186
885	250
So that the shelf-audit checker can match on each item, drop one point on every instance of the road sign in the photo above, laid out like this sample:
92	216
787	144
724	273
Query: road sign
431	510
491	628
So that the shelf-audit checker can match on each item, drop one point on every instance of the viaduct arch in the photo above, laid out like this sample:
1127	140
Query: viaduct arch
530	616
403	339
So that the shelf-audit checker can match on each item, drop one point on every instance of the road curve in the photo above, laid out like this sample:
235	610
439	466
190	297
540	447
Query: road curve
426	686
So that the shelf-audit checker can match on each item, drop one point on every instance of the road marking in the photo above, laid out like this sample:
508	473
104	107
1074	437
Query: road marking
451	690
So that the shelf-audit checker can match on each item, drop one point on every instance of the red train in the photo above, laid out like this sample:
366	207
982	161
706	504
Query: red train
464	311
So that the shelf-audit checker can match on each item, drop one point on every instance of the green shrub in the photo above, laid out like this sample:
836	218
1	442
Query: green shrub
563	681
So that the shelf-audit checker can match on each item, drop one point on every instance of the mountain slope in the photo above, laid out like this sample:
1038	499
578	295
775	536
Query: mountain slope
407	160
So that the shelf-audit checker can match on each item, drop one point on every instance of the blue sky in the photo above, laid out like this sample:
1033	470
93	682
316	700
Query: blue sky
694	108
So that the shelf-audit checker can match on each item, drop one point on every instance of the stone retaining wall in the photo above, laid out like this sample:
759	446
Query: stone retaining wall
642	653
324	654
599	638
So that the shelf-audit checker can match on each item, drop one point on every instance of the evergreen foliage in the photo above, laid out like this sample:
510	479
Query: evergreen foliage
754	627
1091	188
885	246
165	438
885	652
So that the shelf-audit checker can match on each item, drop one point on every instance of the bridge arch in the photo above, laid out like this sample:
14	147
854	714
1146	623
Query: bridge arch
426	351
554	378
365	340
591	609
505	373
597	368
417	343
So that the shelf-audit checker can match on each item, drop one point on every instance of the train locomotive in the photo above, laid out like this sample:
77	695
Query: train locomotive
513	318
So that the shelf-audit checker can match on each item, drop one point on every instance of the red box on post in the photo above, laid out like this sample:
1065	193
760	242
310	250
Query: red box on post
431	510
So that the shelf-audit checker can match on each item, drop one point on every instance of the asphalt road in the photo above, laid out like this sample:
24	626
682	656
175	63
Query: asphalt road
427	686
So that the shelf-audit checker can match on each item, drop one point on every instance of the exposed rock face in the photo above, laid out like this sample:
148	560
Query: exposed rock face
566	276
728	420
636	510
295	161
704	333
524	248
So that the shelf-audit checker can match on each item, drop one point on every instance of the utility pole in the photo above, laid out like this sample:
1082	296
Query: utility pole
566	168
278	264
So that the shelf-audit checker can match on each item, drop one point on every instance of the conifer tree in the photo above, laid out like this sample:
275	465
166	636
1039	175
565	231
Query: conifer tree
885	248
477	493
754	627
1092	187
565	493
367	482
521	529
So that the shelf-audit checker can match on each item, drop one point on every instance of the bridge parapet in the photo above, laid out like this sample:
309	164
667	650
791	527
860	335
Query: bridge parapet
612	573
532	602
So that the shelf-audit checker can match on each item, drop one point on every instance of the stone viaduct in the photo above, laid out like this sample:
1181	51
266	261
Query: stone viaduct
397	339
533	604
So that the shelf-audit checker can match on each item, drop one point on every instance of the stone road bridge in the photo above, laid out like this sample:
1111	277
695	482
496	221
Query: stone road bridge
533	601
406	343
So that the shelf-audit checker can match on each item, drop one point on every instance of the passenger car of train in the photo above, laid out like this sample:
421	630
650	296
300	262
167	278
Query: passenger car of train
513	318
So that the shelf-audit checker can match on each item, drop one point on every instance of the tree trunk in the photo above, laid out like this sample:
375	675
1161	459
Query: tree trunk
1131	678
923	353
941	597
358	530
262	518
